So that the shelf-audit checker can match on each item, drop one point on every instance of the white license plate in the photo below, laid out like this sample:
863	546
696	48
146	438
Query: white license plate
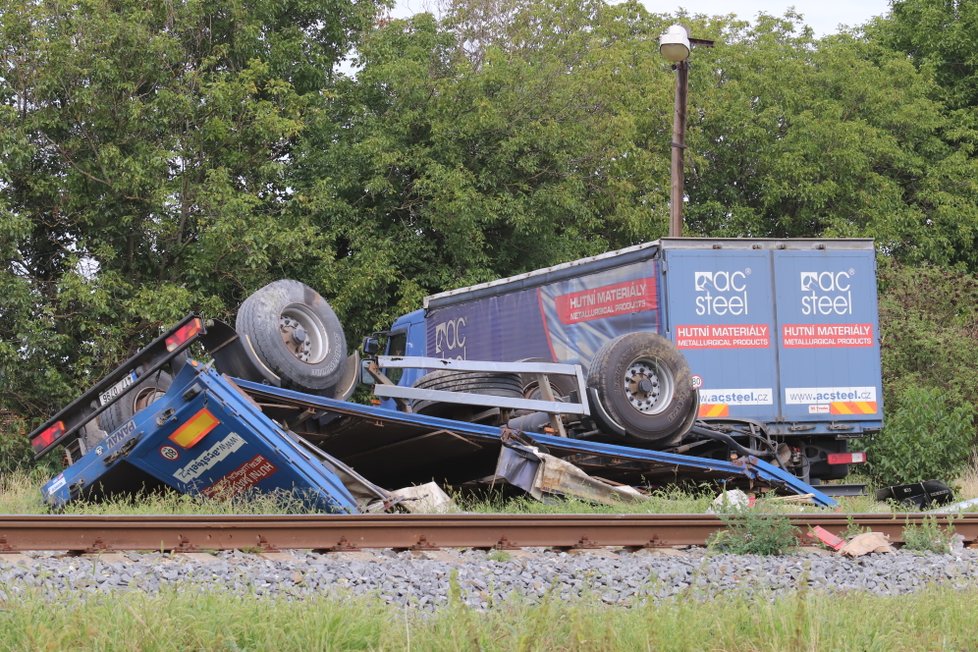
117	389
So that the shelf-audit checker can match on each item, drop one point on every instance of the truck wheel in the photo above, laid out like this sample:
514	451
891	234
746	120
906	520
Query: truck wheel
147	391
643	382
292	336
563	387
467	382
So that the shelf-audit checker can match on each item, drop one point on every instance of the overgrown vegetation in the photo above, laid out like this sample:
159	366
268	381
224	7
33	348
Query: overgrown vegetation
754	532
19	494
935	619
670	500
926	436
928	322
928	536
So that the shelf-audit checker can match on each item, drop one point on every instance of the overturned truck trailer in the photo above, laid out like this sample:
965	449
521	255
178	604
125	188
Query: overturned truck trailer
715	346
217	436
761	382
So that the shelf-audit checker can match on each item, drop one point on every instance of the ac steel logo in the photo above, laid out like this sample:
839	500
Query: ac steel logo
721	293
450	339
827	293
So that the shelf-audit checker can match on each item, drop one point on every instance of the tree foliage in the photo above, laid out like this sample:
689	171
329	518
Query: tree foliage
145	170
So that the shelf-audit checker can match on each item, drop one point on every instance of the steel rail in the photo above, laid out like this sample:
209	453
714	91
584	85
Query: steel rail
20	533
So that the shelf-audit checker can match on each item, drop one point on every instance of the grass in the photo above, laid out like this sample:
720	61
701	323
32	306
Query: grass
672	500
20	494
934	619
753	532
928	536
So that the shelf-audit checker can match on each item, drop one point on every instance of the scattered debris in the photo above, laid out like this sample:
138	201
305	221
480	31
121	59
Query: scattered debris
733	500
956	507
918	494
540	474
832	541
866	543
425	499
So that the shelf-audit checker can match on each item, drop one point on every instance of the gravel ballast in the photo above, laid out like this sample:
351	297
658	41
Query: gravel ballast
485	578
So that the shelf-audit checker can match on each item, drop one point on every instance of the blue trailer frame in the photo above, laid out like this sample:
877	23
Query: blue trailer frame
208	435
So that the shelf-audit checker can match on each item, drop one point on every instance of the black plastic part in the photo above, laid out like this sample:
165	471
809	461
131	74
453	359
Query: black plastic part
919	494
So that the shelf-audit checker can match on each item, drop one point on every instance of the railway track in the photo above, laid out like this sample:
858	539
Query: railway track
21	533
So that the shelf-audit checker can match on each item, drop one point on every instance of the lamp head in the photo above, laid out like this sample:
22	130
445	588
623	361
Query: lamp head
674	43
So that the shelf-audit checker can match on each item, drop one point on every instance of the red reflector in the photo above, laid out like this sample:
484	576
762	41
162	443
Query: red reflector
48	436
186	332
847	458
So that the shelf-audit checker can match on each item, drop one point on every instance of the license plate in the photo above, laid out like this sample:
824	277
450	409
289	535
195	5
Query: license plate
117	389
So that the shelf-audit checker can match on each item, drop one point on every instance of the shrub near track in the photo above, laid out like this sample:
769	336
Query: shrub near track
753	532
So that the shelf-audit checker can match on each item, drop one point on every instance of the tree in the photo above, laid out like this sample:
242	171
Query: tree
144	170
798	137
448	162
939	38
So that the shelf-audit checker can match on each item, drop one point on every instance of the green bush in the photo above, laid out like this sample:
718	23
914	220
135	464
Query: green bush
15	449
927	435
752	532
928	537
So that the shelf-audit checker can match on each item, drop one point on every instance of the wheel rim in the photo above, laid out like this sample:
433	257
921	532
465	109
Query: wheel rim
534	390
145	397
648	386
303	334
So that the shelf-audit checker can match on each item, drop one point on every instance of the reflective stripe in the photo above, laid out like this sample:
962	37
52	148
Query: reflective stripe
714	410
853	407
194	429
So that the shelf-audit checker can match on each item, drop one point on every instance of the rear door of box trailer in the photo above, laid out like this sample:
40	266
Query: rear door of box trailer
781	332
828	334
720	313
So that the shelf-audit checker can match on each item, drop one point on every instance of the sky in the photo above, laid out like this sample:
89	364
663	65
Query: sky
824	16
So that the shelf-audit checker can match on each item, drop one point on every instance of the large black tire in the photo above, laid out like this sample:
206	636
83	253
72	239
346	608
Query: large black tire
292	336
146	391
644	384
468	382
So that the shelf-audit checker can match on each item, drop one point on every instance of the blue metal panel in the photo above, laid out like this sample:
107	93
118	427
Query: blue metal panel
828	336
244	450
407	337
720	314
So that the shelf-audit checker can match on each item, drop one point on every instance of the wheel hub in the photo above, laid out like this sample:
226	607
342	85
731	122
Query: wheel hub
295	338
647	388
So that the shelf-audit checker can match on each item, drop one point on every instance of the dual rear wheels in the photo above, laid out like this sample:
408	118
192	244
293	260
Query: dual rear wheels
641	382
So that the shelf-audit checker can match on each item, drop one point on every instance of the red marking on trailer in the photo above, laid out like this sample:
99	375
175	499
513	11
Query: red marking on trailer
723	336
244	477
823	336
607	301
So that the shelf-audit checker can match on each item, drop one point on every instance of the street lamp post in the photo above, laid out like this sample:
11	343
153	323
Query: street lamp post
674	45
